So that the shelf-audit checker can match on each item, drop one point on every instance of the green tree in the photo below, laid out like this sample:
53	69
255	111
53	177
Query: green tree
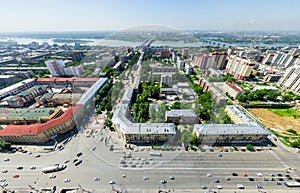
249	147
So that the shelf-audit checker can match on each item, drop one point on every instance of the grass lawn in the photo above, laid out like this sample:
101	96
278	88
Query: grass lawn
289	112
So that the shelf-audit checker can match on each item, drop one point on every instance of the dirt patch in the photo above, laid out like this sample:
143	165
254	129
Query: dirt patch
271	120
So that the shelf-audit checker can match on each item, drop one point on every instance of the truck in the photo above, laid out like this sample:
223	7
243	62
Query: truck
54	168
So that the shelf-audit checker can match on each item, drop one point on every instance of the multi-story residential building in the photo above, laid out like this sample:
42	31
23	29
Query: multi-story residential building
7	79
272	77
73	71
239	67
231	134
245	130
291	79
77	56
233	89
218	96
56	67
181	63
26	97
166	81
215	60
139	132
59	122
181	116
17	88
29	115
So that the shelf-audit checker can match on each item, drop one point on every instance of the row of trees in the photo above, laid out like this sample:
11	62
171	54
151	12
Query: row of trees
141	106
258	95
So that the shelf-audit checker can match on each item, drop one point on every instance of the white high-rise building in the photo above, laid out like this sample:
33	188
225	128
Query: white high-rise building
291	79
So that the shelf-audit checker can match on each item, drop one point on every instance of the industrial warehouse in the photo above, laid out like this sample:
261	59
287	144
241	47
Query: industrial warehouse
34	110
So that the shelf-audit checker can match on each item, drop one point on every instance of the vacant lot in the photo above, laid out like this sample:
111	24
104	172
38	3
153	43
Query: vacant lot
272	120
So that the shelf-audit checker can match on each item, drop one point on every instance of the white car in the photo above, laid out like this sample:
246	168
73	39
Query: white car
219	187
4	171
2	180
32	167
259	174
97	179
209	175
146	178
112	182
67	180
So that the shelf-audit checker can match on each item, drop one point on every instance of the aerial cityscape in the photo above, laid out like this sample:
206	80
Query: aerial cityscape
146	97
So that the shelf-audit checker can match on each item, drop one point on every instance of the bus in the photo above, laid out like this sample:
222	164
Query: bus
292	184
53	168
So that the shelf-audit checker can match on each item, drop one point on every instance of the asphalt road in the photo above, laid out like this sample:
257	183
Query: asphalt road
189	169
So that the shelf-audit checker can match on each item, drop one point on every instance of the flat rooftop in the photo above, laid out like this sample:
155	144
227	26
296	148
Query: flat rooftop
31	113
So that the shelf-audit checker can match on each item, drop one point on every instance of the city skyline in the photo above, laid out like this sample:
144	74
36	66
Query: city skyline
54	15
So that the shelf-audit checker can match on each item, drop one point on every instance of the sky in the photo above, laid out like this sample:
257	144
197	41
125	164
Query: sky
97	15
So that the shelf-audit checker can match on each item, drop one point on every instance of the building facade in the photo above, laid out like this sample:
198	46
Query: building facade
181	116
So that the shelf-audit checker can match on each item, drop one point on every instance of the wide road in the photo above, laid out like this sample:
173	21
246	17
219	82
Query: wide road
190	169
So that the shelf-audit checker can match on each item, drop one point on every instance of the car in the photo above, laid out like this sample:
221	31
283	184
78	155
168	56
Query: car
123	176
278	183
228	179
97	179
281	179
209	175
163	181
66	161
79	154
75	160
2	180
4	184
4	171
204	187
272	175
259	174
52	176
266	179
272	179
139	166
240	186
172	178
32	167
19	168
234	174
217	181
6	160
112	182
37	156
259	186
78	162
94	149
67	180
245	175
279	175
251	179
145	178
16	176
219	187
289	178
219	155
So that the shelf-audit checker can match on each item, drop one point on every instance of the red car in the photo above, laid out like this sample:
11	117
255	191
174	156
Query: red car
245	175
16	176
